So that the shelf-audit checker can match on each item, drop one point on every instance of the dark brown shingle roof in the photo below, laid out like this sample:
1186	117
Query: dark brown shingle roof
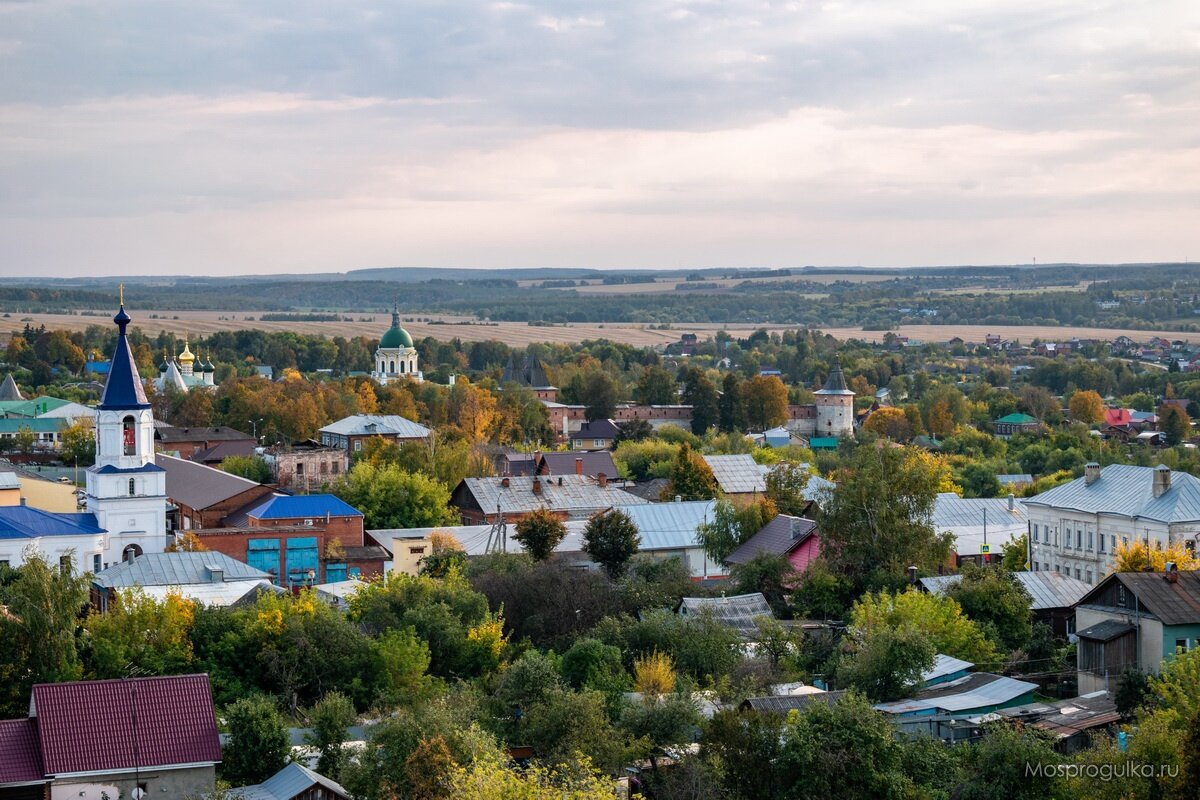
1175	603
778	537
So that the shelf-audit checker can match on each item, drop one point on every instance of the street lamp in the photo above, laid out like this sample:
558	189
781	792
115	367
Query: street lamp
254	428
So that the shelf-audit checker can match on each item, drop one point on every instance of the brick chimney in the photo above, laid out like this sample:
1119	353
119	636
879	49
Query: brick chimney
578	466
1170	573
1162	480
537	486
602	480
1091	472
504	482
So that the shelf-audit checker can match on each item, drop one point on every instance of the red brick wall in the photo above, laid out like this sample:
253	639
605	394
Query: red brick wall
346	530
214	516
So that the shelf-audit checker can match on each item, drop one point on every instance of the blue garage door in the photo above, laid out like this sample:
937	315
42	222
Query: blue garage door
264	554
302	557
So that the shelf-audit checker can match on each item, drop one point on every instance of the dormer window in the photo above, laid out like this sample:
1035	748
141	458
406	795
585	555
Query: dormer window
129	436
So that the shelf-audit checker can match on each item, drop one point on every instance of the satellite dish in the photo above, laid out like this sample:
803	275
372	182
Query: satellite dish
138	794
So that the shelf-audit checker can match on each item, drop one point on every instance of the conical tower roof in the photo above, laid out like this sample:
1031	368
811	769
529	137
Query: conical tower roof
124	387
9	389
836	382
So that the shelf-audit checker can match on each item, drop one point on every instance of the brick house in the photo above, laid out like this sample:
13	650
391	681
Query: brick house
203	496
212	444
482	501
349	433
306	466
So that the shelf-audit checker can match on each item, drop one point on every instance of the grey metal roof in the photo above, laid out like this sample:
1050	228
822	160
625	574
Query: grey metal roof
1127	491
175	569
593	463
171	433
229	593
669	526
778	537
9	480
974	691
970	518
836	382
944	665
1046	590
578	495
738	474
738	611
782	704
197	485
380	424
288	783
1175	603
1107	630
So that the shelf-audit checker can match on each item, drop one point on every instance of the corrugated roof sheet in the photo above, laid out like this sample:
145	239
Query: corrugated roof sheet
474	538
220	433
1127	491
737	611
975	691
669	526
175	569
290	782
230	593
944	665
1175	603
782	704
1046	590
88	726
20	760
296	506
9	480
1107	630
578	495
200	486
27	522
778	537
738	474
380	424
966	517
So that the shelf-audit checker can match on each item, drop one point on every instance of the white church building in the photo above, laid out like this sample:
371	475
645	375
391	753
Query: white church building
396	357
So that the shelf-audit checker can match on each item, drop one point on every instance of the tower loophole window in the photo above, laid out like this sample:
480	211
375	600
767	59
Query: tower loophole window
128	436
132	487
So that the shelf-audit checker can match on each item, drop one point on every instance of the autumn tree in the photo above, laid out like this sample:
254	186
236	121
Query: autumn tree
539	532
79	442
891	423
1086	406
191	409
602	392
691	477
472	410
938	619
611	539
731	526
1039	402
786	487
186	542
766	401
138	629
1141	557
1176	425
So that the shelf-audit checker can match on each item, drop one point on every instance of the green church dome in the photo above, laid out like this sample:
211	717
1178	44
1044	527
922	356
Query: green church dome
395	336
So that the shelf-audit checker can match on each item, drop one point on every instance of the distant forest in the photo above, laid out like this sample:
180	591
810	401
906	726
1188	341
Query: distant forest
1117	296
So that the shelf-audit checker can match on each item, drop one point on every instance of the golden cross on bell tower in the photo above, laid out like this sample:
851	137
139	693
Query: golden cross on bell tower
121	293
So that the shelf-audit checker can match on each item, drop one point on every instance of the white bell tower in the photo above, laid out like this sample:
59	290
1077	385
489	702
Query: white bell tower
125	489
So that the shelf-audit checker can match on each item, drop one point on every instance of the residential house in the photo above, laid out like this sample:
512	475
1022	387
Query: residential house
598	434
203	496
1135	620
94	739
293	782
305	466
486	500
1015	423
349	433
980	525
1052	595
209	578
207	445
1075	527
795	538
592	463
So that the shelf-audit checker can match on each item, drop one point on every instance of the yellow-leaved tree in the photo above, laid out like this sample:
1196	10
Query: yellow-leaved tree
1140	557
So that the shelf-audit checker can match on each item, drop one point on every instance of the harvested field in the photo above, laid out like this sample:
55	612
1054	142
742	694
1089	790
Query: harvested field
202	323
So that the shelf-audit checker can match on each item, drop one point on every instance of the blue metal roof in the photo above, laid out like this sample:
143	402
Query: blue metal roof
26	522
109	469
123	390
288	506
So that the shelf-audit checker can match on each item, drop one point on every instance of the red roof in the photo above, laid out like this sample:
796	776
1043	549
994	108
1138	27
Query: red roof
19	759
88	726
1117	416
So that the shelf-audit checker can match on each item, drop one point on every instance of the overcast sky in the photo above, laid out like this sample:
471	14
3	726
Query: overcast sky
294	136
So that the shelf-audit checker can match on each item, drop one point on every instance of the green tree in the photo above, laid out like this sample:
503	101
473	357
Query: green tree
25	439
979	480
786	487
747	745
877	520
39	632
602	393
699	393
998	767
592	664
403	659
691	477
939	620
389	497
252	468
565	723
258	741
730	526
139	629
731	409
328	721
539	532
79	443
611	539
656	387
887	664
996	601
1015	552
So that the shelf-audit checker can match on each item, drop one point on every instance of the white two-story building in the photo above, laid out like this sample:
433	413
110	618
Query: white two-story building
1075	528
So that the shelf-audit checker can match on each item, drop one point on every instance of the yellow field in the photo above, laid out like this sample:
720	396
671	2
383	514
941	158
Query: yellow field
202	323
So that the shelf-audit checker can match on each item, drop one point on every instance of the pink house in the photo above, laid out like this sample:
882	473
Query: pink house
794	537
